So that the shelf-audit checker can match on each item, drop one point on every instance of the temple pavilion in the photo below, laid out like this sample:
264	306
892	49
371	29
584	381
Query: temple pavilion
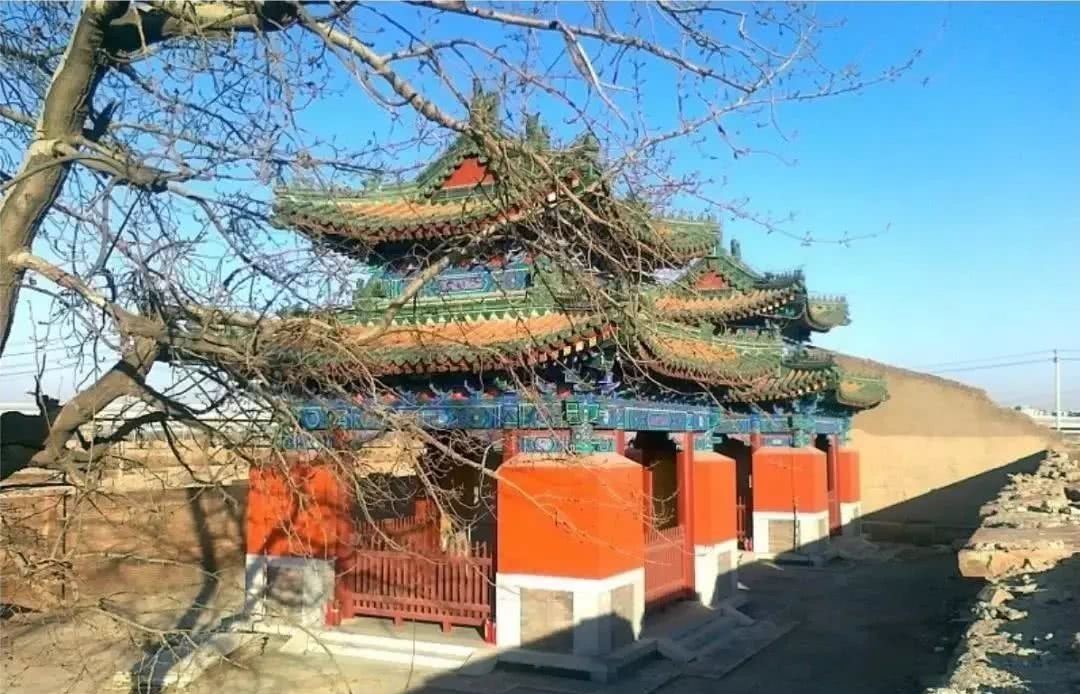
646	402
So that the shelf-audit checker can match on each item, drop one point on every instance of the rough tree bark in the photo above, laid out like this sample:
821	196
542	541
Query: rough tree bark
44	168
104	30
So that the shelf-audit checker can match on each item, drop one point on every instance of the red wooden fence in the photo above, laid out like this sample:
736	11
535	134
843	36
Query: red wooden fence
665	575
423	586
397	568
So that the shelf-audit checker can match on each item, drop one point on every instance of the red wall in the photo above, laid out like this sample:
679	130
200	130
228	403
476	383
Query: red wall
789	479
570	518
714	498
298	512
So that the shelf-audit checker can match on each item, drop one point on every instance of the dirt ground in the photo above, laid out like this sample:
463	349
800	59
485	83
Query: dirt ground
885	623
881	625
80	651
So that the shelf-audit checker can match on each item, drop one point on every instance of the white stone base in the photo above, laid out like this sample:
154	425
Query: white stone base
850	512
413	652
811	531
295	589
594	620
714	571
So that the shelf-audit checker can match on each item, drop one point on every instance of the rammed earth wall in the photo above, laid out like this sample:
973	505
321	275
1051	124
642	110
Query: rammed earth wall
120	547
934	453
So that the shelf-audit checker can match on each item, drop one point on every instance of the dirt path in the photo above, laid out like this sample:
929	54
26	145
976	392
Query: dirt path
873	627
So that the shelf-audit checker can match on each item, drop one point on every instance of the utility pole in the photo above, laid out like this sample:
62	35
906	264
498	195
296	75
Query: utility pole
1057	391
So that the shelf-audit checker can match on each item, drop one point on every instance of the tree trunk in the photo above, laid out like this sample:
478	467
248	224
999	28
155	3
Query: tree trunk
43	171
124	378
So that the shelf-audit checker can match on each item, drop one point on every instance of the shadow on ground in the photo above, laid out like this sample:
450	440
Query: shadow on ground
876	625
883	625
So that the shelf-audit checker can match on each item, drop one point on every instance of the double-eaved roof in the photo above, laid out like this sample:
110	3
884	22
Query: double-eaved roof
718	325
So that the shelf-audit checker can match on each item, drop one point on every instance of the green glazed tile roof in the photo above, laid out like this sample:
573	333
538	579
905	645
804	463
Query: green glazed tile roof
717	360
721	306
377	219
667	329
351	351
823	313
748	366
860	390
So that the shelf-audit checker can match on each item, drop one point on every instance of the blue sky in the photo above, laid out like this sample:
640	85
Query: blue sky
966	172
976	174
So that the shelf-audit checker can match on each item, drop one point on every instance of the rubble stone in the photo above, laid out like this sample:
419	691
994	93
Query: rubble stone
1000	596
1025	635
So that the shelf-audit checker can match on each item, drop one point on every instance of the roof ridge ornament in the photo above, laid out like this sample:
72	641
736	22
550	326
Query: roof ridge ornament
588	144
483	107
536	133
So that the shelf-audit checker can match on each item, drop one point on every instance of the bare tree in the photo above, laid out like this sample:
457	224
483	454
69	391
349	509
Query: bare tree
142	143
144	137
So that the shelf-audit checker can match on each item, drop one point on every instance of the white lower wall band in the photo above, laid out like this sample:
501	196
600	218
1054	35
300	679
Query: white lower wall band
850	511
808	529
714	571
592	607
309	584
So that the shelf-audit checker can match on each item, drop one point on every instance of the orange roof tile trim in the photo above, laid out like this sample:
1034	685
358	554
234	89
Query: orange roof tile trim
733	306
450	346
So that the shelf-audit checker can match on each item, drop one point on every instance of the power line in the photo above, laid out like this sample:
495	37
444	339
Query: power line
57	360
994	366
978	360
39	351
58	367
963	362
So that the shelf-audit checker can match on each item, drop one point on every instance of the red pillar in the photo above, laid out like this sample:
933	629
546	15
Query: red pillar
343	563
848	490
685	477
300	510
748	516
509	443
832	476
715	527
647	495
715	502
569	529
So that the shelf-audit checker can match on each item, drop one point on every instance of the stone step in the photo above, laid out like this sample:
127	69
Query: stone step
742	644
716	631
706	633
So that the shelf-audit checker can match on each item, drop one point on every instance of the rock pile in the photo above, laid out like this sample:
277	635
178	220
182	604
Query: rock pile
1049	498
1025	629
